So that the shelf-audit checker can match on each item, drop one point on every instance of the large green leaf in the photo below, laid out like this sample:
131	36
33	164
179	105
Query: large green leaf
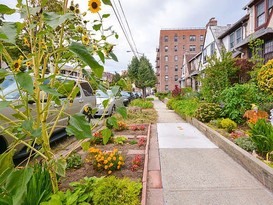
54	20
122	111
6	161
60	165
115	90
106	134
111	122
16	184
107	2
25	81
6	10
4	104
8	32
113	56
49	90
79	127
81	51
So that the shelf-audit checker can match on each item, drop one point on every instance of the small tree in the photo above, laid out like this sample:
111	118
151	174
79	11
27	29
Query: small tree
142	73
218	75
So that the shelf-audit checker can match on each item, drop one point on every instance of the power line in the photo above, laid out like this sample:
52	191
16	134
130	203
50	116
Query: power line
114	7
128	25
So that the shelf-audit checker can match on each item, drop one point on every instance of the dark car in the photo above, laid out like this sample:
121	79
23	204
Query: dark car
127	97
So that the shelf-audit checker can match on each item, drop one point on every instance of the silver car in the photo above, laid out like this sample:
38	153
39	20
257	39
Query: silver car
84	102
113	103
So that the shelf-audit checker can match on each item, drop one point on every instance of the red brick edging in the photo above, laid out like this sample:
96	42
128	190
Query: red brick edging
145	169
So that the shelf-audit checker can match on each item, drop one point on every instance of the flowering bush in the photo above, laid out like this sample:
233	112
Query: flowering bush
106	161
121	126
228	124
237	134
177	92
141	141
99	136
265	76
207	112
136	163
137	127
254	115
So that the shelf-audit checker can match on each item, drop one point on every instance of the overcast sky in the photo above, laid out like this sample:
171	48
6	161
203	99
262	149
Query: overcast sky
147	17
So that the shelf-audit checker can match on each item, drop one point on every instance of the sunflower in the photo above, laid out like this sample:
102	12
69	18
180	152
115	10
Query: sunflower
26	42
94	5
17	65
21	57
77	11
28	63
72	8
85	39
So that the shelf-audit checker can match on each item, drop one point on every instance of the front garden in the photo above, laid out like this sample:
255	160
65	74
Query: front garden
237	107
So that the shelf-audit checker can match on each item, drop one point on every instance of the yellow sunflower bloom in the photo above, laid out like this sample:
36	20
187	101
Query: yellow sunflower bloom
85	39
17	65
94	6
26	42
28	63
21	57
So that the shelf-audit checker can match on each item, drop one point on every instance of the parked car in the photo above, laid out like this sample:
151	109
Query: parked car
127	97
83	101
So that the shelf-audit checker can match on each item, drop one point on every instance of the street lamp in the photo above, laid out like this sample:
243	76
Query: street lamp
135	52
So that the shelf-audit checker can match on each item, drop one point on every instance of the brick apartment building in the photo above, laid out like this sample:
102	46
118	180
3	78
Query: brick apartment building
173	44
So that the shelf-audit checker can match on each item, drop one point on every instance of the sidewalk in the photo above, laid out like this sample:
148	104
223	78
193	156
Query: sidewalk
193	170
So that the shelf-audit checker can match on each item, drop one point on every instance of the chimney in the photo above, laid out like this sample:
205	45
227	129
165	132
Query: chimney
212	22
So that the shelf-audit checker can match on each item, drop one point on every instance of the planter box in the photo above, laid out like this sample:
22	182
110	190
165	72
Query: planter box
253	165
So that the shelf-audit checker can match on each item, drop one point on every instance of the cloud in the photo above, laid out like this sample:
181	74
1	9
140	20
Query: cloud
146	18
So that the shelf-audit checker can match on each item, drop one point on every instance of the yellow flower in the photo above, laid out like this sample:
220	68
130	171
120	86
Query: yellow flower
120	158
28	63
17	65
43	44
105	167
94	5
114	158
77	11
111	164
105	162
21	57
109	172
99	165
85	39
118	167
109	158
86	109
119	163
26	42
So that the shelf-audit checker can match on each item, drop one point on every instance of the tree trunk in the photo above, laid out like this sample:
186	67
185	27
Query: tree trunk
144	92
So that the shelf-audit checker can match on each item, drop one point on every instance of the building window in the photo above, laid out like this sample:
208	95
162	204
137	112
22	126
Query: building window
176	68
166	88
270	5
176	77
183	47
201	47
175	58
212	48
183	37
175	48
238	35
192	47
166	38
175	38
231	40
166	58
166	77
201	37
166	68
268	47
192	38
166	48
205	55
260	18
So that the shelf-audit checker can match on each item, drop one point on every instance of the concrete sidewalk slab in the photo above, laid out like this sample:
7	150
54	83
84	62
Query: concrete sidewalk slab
181	135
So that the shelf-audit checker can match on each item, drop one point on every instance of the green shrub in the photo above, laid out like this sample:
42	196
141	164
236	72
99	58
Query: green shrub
74	161
149	99
207	112
238	99
185	107
228	124
114	191
262	135
170	102
120	140
161	96
217	122
142	103
245	143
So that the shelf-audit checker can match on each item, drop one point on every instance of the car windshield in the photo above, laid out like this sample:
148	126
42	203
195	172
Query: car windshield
8	89
101	94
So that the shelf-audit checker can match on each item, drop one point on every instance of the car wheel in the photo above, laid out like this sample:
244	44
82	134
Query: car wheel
3	145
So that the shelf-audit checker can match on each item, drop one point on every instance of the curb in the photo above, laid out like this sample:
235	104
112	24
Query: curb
145	169
254	166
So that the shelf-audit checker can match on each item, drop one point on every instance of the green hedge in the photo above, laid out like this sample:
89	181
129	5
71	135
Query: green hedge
184	107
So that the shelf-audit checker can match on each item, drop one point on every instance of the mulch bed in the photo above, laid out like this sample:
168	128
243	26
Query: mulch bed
128	151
